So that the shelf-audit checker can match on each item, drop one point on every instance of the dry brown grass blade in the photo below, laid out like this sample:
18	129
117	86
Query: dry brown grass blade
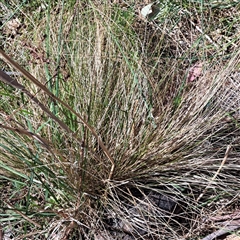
10	81
27	133
23	215
45	109
44	88
1	233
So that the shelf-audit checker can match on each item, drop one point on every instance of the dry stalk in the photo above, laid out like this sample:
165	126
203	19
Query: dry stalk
218	171
23	215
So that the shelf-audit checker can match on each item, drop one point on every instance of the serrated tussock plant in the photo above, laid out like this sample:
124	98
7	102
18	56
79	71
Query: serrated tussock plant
115	126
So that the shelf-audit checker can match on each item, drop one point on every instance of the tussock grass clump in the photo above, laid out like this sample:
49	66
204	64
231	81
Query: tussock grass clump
129	127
